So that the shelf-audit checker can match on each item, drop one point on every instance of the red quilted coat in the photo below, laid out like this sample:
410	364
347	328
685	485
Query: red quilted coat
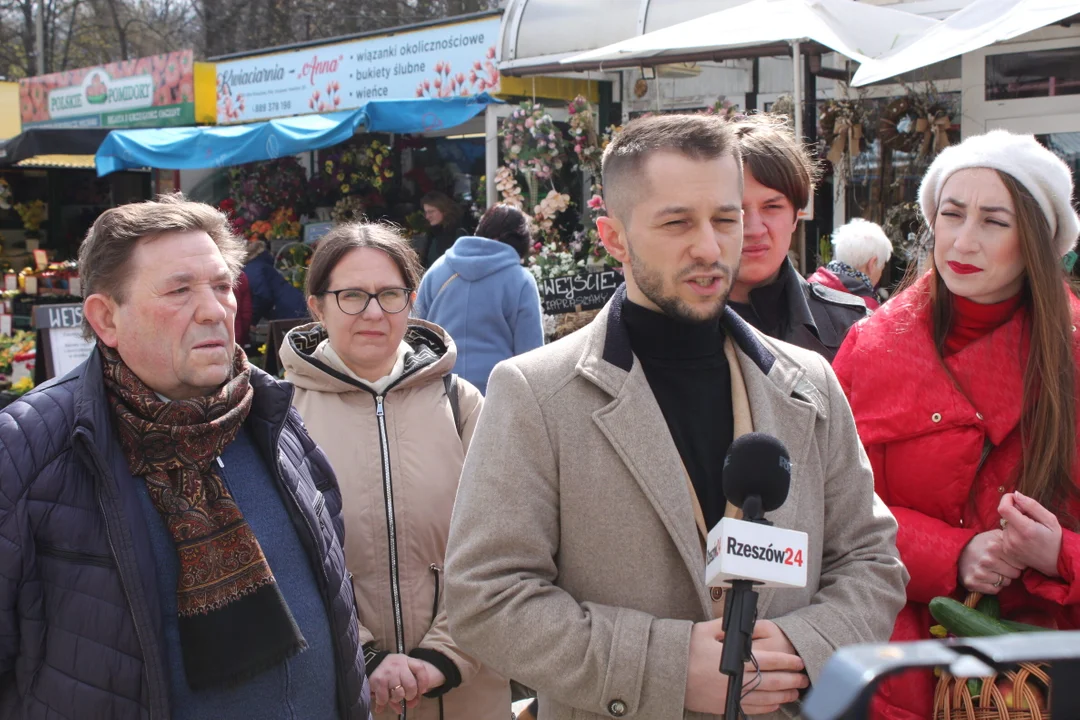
924	422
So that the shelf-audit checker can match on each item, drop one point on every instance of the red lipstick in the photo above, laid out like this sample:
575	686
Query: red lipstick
962	269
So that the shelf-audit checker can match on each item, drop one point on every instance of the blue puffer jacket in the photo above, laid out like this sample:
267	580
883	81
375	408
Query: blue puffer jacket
80	629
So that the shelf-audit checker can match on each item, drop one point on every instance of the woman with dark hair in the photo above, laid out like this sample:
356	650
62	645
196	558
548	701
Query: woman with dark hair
376	392
482	295
964	391
444	216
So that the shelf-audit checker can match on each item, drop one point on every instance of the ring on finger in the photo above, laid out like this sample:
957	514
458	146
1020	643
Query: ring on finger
1000	580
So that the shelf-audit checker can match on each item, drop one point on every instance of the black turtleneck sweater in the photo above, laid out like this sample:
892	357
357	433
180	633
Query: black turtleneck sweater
768	308
689	375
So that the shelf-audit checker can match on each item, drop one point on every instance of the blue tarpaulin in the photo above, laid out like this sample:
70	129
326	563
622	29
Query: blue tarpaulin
189	148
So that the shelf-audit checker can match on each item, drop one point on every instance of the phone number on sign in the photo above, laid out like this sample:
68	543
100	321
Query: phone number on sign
273	106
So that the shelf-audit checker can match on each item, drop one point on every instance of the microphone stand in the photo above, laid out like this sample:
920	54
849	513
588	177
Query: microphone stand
740	614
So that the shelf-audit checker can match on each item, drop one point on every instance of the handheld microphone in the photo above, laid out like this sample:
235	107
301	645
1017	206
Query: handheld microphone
749	552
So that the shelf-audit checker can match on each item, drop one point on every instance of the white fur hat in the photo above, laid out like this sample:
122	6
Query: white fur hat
1040	171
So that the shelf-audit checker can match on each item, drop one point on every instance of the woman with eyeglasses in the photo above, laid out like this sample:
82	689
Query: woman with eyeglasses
376	392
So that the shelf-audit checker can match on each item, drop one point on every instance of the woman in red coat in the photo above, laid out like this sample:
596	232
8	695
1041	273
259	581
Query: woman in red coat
964	389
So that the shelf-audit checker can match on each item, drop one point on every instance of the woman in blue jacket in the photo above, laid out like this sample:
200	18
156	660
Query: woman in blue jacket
483	297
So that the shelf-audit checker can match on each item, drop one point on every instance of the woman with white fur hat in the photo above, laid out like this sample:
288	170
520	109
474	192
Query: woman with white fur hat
964	390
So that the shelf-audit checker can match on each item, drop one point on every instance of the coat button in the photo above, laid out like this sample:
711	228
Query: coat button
617	708
717	594
1074	328
979	416
1001	488
936	417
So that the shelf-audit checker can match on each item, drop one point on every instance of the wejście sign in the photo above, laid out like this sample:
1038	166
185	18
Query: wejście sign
587	291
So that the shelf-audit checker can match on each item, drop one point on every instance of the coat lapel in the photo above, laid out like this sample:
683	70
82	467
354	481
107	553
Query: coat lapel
786	406
635	427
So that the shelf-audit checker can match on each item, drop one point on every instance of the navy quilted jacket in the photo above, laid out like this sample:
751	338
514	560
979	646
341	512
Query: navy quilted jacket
80	629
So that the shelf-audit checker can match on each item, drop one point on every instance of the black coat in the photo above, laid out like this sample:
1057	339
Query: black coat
80	624
810	316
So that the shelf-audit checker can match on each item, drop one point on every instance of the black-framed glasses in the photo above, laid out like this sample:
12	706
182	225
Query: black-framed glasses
353	301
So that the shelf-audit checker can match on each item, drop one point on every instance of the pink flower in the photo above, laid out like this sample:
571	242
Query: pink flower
472	77
438	83
461	78
315	95
491	53
530	123
577	148
446	68
476	65
596	202
481	84
427	85
572	109
439	67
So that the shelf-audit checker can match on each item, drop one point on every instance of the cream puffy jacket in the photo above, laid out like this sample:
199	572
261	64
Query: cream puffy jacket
398	458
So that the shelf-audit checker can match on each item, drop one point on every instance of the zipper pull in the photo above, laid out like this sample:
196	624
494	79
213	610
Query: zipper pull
220	463
379	405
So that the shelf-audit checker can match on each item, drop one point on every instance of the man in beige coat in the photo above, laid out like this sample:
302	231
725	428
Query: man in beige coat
576	557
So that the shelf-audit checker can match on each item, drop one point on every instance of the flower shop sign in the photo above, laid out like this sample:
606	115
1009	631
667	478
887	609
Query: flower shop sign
438	62
153	91
585	291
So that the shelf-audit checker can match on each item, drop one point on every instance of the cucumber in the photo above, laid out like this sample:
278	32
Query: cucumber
989	606
962	621
1022	627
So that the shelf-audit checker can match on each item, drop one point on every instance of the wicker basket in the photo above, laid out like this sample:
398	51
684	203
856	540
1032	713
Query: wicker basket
953	700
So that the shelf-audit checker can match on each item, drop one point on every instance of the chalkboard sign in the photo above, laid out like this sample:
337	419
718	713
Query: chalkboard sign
587	291
60	344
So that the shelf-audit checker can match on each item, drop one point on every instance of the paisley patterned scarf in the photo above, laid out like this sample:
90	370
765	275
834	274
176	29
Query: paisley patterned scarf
842	268
234	622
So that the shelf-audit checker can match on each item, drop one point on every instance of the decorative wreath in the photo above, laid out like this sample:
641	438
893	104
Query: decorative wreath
910	126
843	126
897	129
532	143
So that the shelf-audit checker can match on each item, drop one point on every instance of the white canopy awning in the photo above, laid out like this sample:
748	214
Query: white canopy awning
982	23
858	30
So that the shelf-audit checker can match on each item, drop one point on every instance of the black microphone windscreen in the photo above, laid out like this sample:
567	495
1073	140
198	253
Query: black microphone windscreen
757	464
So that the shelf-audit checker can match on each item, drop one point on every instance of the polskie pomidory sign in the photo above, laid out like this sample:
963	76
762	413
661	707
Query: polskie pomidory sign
153	91
457	60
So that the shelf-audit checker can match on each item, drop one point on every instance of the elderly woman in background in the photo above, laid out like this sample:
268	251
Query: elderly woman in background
861	250
376	392
482	295
444	216
964	391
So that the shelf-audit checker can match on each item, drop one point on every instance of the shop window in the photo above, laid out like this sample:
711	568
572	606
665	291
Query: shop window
1042	73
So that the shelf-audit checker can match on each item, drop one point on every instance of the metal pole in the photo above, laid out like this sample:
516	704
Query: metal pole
491	152
797	81
797	100
39	37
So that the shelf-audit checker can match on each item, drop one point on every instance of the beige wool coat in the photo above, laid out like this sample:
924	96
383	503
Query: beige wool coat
575	564
405	504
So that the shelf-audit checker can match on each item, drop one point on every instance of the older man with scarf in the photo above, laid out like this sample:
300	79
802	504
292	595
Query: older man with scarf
171	535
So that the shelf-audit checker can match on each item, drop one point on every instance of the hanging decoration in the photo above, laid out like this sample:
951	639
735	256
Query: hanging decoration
349	209
532	145
916	123
843	127
934	126
904	226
